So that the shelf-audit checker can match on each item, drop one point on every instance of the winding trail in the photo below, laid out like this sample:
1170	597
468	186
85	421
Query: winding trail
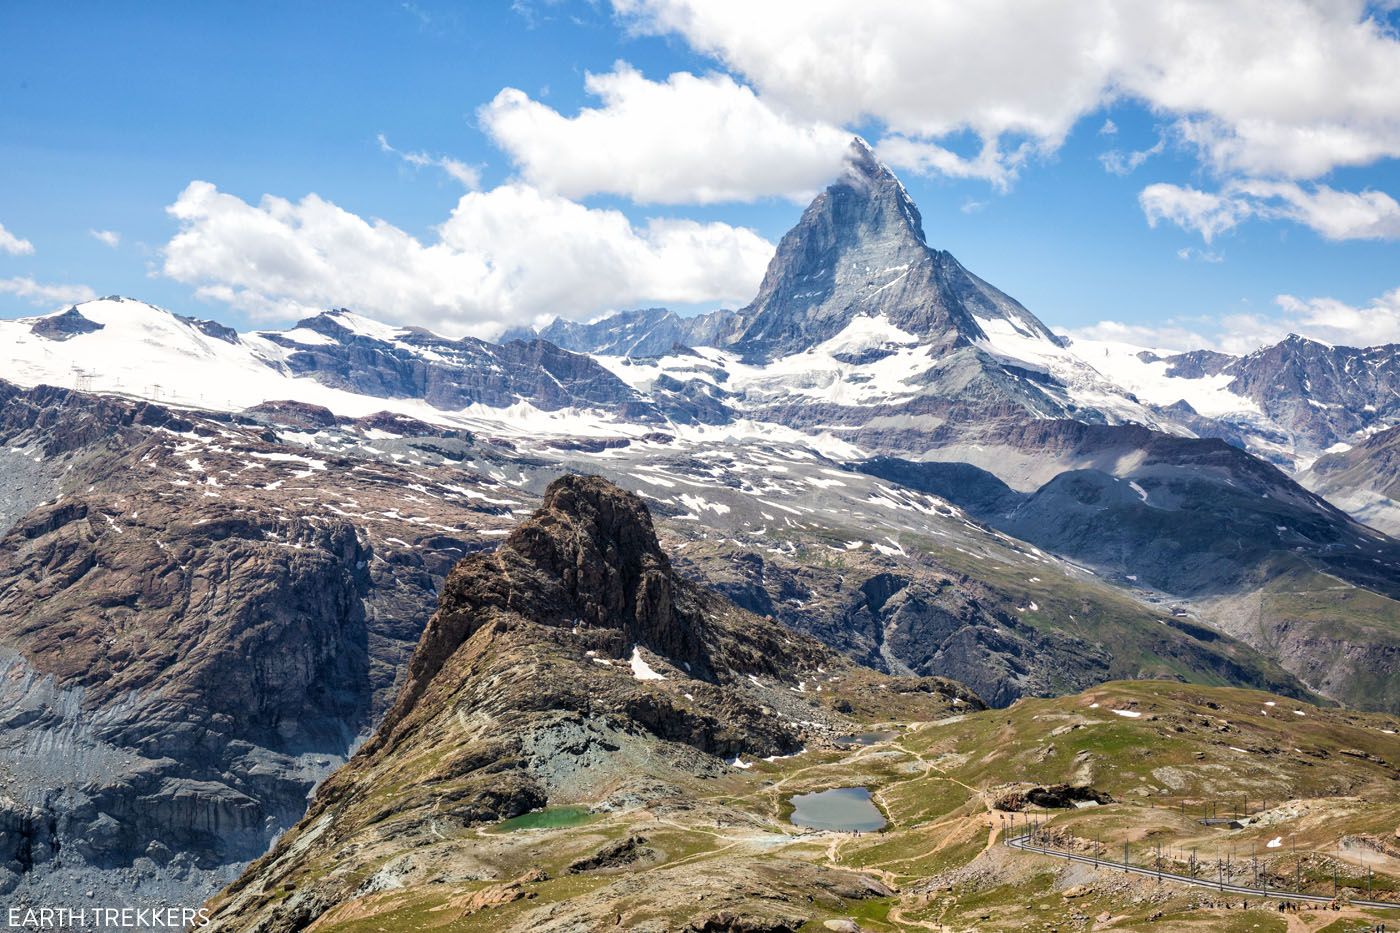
1025	845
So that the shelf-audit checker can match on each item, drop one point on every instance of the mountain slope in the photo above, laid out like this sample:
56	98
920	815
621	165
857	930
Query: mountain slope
1364	480
338	360
648	332
1254	554
197	618
569	666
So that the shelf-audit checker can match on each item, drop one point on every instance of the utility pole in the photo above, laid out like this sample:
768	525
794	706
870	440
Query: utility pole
1125	856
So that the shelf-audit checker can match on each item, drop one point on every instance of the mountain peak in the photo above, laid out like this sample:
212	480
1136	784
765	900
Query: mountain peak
587	559
859	250
599	540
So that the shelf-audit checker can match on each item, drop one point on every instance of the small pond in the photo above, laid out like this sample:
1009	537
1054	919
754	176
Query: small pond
846	809
864	738
548	818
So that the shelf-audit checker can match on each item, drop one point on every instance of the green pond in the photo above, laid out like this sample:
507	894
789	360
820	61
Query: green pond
548	818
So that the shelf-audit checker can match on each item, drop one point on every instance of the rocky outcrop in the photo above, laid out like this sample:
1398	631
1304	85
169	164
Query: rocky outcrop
62	326
571	656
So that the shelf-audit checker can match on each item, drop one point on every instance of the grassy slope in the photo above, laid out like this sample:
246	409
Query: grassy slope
935	782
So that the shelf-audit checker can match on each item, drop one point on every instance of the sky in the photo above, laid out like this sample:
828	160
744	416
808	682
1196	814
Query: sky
1174	173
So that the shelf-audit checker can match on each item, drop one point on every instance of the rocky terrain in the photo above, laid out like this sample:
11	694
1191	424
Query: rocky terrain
648	841
1364	480
196	624
570	665
220	549
1220	532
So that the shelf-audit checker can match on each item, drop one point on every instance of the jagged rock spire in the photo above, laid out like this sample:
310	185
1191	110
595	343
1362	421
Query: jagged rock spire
860	250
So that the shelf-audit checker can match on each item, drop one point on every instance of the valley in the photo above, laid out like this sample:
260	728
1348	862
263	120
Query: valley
352	626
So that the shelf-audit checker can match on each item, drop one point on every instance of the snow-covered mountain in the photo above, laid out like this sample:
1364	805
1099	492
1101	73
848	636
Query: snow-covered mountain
862	335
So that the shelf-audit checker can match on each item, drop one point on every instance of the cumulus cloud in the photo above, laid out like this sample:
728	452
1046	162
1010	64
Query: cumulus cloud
508	256
106	237
1325	319
926	158
1279	88
15	246
1206	213
456	169
1335	215
688	139
1329	320
42	294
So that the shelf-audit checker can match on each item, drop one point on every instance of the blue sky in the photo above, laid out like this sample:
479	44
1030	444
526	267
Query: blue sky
109	111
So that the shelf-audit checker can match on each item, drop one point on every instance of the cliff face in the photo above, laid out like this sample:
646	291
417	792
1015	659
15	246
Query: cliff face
568	665
196	621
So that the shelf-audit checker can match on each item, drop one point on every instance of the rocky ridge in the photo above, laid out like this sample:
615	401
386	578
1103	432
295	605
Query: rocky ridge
570	664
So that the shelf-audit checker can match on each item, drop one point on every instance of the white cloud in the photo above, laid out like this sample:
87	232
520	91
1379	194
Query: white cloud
15	246
926	158
1189	253
688	139
107	237
1206	213
1109	128
1325	319
458	170
1289	88
1119	162
1335	215
1171	335
41	294
508	256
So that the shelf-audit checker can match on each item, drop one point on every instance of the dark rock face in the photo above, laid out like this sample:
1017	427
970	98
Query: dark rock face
211	328
648	332
1322	394
1054	797
190	639
1198	363
859	249
62	326
452	374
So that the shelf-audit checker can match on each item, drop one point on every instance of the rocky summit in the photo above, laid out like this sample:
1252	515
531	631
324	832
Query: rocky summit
859	250
570	667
